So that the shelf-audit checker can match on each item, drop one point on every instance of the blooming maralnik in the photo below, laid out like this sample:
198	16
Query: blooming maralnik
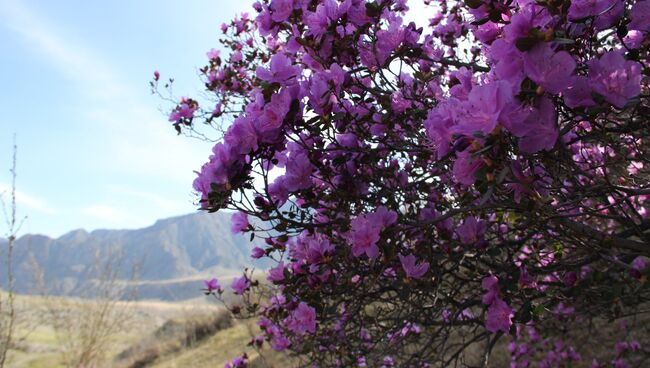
212	285
482	175
412	268
240	285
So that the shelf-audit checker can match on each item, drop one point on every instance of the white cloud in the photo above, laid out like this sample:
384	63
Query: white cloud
132	136
24	199
160	202
73	61
108	213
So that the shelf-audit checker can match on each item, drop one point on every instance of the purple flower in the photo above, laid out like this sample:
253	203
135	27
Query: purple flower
183	111
471	230
241	136
483	107
499	317
563	310
281	9
236	57
611	16
509	62
239	222
579	93
570	278
615	78
268	126
581	9
276	274
364	236
544	131
633	39
213	54
639	264
278	192
317	249
525	279
302	319
465	166
640	16
258	253
212	285
280	343
551	70
239	362
320	20
491	284
383	216
535	125
298	175
240	285
389	39
439	125
281	70
413	270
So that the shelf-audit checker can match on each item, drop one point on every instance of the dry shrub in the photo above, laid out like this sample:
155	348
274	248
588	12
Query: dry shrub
175	335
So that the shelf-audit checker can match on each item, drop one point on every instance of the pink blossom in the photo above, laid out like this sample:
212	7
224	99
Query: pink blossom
239	222
276	274
471	230
413	270
499	317
302	319
281	9
364	236
640	16
551	70
615	78
281	70
212	285
213	54
298	175
258	253
240	285
491	285
581	9
183	111
481	111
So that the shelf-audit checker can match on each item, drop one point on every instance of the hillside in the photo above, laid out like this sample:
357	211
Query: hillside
171	257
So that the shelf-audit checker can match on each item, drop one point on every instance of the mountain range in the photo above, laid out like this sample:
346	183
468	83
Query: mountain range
166	261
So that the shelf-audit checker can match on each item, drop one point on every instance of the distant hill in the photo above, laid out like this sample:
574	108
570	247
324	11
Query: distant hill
171	256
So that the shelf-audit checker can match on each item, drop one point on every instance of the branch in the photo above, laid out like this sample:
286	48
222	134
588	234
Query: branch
606	240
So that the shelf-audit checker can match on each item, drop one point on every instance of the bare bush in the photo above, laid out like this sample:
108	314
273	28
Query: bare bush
175	335
87	325
8	315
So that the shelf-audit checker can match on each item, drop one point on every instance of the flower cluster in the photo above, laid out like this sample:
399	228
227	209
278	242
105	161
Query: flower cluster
419	184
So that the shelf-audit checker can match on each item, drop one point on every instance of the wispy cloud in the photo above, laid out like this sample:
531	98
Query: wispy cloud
133	135
71	60
110	214
157	201
24	199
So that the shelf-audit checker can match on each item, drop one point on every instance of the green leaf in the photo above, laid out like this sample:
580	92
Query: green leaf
473	4
526	43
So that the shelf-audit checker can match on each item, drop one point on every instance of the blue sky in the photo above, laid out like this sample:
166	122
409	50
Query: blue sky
94	149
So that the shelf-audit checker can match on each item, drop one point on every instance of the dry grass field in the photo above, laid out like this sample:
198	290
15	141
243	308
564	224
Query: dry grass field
194	333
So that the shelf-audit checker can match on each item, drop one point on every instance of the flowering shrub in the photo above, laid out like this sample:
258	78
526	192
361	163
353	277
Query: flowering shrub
423	190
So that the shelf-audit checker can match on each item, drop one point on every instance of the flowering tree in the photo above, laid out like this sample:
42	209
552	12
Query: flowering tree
428	190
